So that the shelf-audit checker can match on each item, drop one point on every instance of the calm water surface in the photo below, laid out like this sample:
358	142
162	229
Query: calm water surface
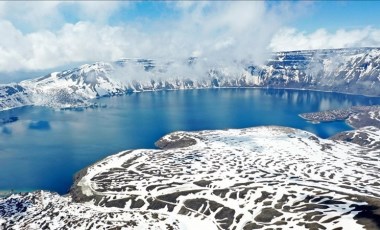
45	147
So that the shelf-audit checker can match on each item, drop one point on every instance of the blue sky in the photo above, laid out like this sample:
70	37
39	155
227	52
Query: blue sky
331	15
334	15
46	35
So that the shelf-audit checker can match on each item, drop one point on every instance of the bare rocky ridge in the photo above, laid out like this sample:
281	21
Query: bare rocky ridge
255	178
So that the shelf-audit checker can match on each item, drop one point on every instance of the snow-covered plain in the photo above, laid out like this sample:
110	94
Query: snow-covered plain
263	177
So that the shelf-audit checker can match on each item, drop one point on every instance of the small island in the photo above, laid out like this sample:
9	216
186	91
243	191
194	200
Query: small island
355	116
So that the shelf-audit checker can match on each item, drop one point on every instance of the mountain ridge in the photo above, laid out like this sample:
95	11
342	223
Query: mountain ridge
353	70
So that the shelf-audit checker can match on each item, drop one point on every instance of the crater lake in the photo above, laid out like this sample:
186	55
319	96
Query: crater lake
42	148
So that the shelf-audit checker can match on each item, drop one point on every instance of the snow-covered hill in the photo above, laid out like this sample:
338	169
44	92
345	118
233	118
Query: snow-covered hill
263	177
342	70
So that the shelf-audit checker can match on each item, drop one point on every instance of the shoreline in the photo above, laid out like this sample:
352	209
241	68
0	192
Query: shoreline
80	173
93	100
359	113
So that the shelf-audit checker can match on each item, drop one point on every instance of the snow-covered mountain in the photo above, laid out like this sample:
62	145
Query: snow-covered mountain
354	71
73	87
342	70
254	178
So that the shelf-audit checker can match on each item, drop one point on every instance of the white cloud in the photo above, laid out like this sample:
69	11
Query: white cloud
41	35
73	43
219	32
35	15
98	11
31	16
290	39
229	30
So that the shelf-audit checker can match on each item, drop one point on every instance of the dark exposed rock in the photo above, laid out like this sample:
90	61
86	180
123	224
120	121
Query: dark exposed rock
369	215
175	141
267	215
202	183
312	226
251	226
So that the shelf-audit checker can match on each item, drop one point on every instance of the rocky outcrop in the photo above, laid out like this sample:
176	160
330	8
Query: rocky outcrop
178	140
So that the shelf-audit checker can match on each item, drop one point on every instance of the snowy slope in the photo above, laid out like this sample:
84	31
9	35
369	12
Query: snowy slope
342	70
264	177
73	87
56	212
14	95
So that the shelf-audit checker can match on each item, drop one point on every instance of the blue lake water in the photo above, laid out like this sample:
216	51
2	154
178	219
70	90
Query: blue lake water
45	147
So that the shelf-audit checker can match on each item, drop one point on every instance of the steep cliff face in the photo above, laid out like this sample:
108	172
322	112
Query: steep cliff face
341	70
344	70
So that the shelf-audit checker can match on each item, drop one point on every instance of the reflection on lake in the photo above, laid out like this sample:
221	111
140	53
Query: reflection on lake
39	125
